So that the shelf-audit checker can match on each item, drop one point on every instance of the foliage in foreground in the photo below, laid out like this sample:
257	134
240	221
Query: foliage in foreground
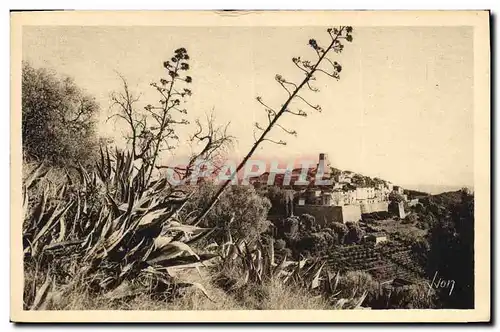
110	241
248	267
113	237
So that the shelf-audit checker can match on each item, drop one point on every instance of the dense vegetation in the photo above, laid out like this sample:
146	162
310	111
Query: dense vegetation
435	240
58	119
104	229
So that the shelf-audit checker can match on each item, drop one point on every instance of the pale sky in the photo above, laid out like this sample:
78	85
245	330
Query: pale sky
402	110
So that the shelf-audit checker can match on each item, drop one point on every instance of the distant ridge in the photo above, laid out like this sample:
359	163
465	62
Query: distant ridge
435	189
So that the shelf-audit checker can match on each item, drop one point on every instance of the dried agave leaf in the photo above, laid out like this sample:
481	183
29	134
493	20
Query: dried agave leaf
360	301
125	289
58	213
42	293
62	229
150	217
172	250
40	208
339	304
162	241
316	279
279	267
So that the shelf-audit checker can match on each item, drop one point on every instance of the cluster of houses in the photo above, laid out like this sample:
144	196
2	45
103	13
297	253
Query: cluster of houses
342	191
345	191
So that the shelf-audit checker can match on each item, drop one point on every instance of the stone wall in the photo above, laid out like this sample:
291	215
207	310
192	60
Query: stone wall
413	202
351	213
375	207
326	214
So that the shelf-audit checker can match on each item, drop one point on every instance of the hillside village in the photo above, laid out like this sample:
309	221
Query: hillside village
345	199
380	213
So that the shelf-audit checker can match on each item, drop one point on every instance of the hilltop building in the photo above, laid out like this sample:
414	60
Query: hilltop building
324	166
341	201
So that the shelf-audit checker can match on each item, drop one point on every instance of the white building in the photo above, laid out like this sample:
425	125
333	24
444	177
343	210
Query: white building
398	189
381	195
339	197
365	193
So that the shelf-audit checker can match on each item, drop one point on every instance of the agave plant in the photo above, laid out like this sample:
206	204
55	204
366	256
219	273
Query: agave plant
111	230
256	265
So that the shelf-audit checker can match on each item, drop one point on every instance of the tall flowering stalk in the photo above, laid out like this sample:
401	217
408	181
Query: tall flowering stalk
310	68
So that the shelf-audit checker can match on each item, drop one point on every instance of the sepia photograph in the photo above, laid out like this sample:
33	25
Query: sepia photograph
250	166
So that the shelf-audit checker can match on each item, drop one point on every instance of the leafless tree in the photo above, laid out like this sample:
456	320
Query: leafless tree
153	129
215	141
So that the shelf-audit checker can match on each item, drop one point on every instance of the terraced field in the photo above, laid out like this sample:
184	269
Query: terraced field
386	262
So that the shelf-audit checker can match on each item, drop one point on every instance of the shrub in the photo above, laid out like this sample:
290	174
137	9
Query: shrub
373	216
280	244
420	250
354	234
289	227
357	280
369	220
305	245
451	251
419	208
315	244
410	219
412	297
308	222
286	252
240	209
58	119
396	197
341	231
276	196
332	233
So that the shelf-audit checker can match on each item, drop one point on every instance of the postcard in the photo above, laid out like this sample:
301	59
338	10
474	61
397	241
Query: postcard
250	166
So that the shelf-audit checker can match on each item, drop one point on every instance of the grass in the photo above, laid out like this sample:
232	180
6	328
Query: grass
269	296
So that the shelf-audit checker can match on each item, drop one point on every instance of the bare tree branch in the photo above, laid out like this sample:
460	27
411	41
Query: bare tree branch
333	75
288	131
296	62
313	89
317	107
280	142
151	129
299	113
215	138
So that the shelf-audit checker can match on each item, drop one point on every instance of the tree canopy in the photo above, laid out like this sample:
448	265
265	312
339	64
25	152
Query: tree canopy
451	254
58	118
